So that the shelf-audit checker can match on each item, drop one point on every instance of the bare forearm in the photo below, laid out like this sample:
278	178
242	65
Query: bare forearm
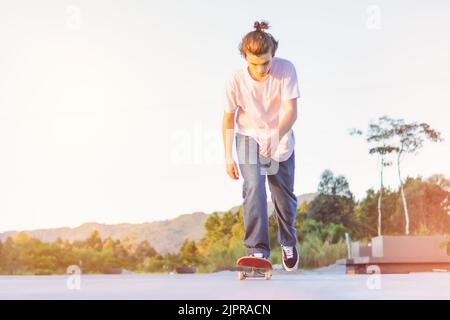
228	137
287	121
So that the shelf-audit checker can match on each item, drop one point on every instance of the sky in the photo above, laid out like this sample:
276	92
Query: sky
111	111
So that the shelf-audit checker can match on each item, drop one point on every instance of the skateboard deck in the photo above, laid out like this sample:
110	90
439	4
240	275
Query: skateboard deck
259	268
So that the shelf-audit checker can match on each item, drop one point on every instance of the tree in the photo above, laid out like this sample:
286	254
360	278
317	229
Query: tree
428	204
273	231
171	261
226	223
11	263
238	231
144	250
333	186
212	226
378	135
108	244
302	215
1	257
189	253
22	254
329	233
219	229
222	243
396	136
409	138
153	264
368	214
335	202
121	254
94	241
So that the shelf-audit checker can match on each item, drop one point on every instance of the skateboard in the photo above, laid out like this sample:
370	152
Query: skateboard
259	268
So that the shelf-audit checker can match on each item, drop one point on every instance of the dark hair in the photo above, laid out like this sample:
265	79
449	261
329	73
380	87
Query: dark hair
258	42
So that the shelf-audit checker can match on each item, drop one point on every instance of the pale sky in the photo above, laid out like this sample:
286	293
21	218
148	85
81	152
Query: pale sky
98	99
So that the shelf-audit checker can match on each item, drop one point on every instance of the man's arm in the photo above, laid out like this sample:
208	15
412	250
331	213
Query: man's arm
228	135
270	145
289	117
228	138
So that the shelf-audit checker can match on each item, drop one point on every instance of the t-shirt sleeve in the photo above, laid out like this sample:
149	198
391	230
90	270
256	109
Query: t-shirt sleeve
231	102
290	89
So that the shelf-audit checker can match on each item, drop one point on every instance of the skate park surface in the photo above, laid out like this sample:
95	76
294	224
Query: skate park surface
325	283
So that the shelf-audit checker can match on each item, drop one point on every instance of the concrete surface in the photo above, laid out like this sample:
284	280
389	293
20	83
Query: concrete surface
326	283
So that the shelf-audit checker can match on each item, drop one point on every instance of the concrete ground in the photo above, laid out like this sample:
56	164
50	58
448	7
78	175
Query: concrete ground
326	283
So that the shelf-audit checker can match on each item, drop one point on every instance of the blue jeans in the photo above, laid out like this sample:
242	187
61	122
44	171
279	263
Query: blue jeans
254	168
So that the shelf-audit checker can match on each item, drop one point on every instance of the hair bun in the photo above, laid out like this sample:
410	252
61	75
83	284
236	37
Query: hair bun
263	25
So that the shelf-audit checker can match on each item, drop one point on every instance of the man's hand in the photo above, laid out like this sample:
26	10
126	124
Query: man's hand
269	144
232	169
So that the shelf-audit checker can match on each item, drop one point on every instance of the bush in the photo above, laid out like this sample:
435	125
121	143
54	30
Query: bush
223	256
152	264
316	253
330	232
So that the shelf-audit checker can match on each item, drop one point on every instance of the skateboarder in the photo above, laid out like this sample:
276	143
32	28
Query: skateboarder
263	95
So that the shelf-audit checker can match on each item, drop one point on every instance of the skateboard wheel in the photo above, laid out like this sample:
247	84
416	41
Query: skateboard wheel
241	275
267	275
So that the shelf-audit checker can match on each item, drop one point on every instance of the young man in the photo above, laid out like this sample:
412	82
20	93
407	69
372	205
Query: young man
264	93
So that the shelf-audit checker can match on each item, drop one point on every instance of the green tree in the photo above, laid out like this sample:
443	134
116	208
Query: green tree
408	139
273	231
153	264
1	256
11	263
237	231
172	261
189	253
302	214
94	241
378	136
144	250
219	229
223	240
367	214
335	202
428	204
121	254
334	186
212	229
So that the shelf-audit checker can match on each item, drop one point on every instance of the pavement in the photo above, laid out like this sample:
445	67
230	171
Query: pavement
326	283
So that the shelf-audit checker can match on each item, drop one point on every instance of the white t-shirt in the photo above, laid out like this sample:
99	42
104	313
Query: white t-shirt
259	103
